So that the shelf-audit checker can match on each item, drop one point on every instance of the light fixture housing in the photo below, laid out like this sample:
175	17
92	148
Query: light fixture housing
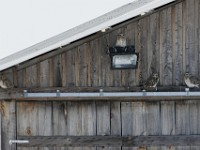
123	57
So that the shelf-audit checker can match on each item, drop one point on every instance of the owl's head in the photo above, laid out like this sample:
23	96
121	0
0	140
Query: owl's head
155	75
187	75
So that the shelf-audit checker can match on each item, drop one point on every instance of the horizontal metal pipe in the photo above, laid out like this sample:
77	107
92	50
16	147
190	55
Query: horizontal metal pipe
18	141
112	94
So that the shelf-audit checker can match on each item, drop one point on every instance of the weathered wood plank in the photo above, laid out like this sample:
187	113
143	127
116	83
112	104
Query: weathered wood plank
34	119
88	60
44	74
129	141
182	126
74	121
95	63
165	47
63	69
26	113
60	123
133	120
56	71
184	38
81	66
142	42
103	120
153	44
15	77
126	121
167	115
152	115
194	119
31	76
77	68
21	78
8	124
177	46
107	73
198	31
115	122
89	123
60	116
190	35
70	68
167	118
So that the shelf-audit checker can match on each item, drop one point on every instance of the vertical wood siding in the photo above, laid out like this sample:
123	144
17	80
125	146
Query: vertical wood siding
168	42
107	118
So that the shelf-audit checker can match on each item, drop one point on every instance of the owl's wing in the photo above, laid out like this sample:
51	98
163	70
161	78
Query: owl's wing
149	82
194	80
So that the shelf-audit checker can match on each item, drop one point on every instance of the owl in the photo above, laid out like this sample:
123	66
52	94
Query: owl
191	81
152	82
5	83
121	41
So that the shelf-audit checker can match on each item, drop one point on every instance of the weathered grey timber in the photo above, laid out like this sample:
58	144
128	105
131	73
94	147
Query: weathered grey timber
126	141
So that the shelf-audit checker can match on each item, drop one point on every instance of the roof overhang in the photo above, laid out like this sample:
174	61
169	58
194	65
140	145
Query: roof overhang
114	17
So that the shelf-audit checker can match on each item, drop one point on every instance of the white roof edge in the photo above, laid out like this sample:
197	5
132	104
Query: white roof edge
114	17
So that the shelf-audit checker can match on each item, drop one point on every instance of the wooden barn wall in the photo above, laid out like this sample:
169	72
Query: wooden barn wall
167	42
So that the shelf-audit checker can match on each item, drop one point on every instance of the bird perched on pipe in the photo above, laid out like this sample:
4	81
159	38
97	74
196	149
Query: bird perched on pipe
5	83
151	82
191	81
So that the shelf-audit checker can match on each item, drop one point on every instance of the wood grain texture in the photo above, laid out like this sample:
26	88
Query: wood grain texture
108	41
56	71
44	74
182	120
82	62
190	34
8	124
165	47
152	112
96	62
177	47
34	119
133	120
167	124
153	44
198	30
31	76
60	122
115	121
89	124
74	121
70	68
63	69
88	141
103	120
143	31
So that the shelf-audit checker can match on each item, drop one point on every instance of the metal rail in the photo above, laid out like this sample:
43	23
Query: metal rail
110	94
